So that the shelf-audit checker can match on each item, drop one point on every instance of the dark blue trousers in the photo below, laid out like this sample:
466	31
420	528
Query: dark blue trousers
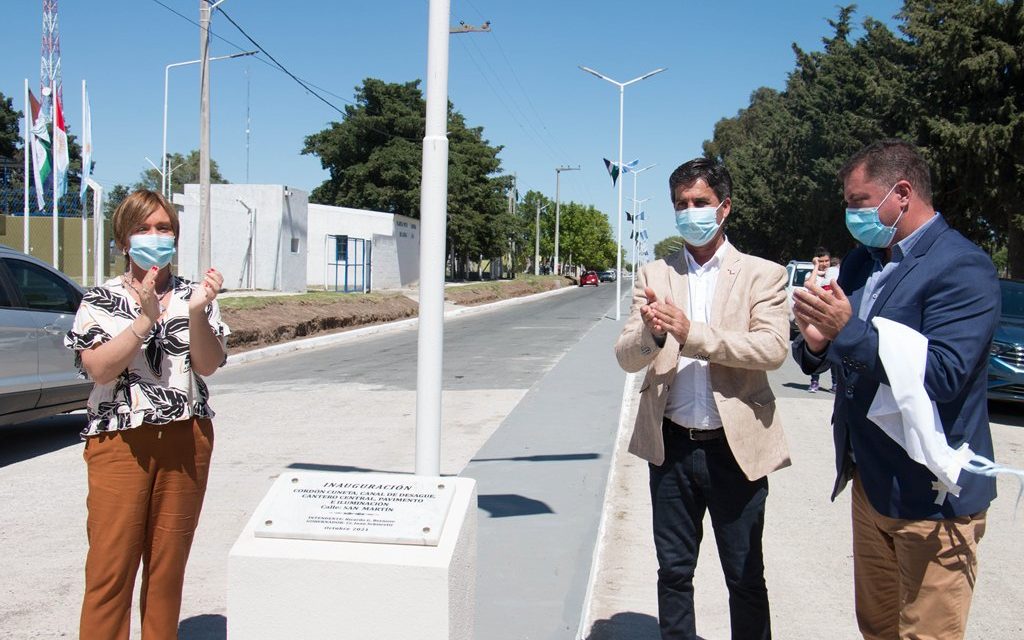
699	476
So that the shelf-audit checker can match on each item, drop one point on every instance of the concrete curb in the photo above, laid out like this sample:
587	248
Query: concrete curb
388	327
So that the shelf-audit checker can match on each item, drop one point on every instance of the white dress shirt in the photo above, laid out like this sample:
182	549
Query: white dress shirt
690	401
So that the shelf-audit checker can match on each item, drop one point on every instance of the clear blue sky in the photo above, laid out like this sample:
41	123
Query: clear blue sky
520	82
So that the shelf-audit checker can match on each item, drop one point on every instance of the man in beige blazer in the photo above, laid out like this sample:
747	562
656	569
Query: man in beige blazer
708	322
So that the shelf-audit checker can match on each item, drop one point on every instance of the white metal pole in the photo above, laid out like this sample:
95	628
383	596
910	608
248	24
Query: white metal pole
53	165
558	175
164	164
633	234
618	213
252	250
204	137
99	249
85	222
618	257
433	220
27	146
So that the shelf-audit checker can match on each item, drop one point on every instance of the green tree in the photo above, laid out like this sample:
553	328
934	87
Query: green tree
374	155
967	58
585	236
183	169
10	128
785	149
114	198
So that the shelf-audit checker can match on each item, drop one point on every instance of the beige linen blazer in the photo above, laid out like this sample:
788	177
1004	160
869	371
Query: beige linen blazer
747	336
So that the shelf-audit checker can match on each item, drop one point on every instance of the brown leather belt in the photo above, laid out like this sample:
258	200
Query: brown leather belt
696	434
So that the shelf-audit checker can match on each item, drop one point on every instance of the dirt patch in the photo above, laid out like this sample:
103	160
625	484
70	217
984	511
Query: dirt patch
483	292
260	321
285	318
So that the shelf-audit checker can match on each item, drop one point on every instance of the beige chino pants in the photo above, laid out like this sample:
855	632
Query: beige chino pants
914	579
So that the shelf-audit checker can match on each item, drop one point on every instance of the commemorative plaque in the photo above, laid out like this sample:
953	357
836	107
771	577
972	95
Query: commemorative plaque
356	507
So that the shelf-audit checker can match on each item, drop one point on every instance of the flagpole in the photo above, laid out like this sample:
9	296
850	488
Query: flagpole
53	152
28	132
84	198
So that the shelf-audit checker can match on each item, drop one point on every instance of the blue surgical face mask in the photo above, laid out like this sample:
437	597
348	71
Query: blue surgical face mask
148	250
866	227
698	225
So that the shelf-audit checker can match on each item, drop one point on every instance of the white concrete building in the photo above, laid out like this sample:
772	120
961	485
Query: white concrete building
269	237
257	231
359	250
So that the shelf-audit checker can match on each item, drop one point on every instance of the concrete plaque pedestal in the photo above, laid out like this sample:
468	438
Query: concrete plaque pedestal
318	589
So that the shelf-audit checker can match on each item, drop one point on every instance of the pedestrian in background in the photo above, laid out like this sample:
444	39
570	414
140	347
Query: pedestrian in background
707	323
145	338
823	274
914	544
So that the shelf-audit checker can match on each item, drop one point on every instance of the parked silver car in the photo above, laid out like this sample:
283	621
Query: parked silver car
37	307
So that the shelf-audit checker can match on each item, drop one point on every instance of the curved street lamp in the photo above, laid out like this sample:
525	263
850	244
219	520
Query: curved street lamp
618	252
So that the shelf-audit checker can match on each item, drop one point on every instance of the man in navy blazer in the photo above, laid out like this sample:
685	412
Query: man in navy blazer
915	561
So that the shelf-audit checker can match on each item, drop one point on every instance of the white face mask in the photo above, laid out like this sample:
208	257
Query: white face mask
698	225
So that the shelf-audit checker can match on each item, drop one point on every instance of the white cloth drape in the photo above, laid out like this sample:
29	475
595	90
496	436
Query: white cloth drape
903	410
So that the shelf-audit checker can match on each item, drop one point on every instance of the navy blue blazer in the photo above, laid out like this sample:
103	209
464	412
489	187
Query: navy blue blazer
947	289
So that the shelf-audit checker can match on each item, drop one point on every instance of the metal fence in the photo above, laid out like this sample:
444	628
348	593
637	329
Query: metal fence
74	239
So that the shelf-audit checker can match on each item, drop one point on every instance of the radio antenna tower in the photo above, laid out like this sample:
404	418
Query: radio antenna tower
49	66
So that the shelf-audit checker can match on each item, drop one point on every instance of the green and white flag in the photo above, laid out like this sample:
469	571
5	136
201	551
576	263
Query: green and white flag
40	149
60	147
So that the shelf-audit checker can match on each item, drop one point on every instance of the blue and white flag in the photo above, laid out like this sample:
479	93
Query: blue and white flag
86	142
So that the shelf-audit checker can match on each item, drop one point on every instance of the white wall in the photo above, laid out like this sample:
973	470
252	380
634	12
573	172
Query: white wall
280	235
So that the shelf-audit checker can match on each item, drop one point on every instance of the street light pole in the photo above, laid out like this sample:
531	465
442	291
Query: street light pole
165	187
536	252
635	212
637	204
618	251
558	175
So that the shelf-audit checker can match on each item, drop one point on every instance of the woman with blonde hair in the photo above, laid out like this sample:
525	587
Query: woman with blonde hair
146	338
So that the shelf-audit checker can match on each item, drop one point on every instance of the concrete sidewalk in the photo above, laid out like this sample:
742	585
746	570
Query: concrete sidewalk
809	567
541	486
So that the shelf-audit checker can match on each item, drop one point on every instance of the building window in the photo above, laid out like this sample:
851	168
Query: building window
341	248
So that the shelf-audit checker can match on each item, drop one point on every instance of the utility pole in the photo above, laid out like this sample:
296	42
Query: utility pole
205	10
536	252
558	175
204	136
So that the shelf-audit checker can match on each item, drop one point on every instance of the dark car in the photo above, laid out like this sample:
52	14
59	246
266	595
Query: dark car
607	276
590	277
38	377
1006	357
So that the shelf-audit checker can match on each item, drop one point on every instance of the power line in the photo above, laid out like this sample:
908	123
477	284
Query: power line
279	65
308	86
